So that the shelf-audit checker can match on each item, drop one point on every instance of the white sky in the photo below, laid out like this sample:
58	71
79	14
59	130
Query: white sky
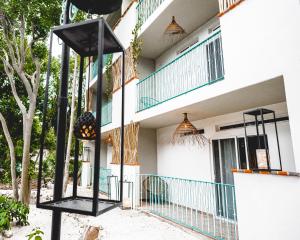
56	47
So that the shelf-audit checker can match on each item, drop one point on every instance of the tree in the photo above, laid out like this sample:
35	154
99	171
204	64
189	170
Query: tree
25	25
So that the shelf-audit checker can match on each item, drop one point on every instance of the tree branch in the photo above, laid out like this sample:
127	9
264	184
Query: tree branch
12	156
18	67
10	74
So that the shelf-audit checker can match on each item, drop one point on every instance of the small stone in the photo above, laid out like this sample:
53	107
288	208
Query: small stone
50	185
7	233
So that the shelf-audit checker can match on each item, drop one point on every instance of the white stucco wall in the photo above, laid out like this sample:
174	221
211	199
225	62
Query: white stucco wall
145	67
147	151
193	162
267	206
264	36
130	105
124	29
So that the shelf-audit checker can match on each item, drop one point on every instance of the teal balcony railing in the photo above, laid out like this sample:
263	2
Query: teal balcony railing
197	67
145	8
206	207
95	65
104	179
106	113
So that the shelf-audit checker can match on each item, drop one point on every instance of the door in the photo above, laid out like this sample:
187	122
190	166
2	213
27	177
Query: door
225	159
214	60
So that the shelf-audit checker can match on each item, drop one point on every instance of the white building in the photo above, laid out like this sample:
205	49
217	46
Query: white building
235	56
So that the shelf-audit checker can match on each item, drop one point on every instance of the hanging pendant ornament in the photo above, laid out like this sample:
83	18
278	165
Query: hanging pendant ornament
174	31
186	132
85	127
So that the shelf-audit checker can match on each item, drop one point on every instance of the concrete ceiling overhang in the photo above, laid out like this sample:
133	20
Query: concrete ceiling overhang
262	94
189	14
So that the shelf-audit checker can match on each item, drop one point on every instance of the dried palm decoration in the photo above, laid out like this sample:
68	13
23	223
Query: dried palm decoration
131	134
174	28
186	132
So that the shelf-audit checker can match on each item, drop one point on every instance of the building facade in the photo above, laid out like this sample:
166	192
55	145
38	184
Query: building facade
233	57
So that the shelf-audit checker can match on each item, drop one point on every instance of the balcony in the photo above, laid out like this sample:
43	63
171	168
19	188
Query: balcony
199	66
227	5
146	7
205	207
106	113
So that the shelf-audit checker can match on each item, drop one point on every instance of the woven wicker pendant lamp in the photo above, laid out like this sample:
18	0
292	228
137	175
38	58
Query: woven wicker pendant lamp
186	132
174	28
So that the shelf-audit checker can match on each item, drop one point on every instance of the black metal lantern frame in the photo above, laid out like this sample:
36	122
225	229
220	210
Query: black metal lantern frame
88	38
260	113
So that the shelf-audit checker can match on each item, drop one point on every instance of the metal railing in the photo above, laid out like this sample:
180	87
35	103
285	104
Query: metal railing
206	207
106	113
145	8
95	65
198	66
104	180
225	5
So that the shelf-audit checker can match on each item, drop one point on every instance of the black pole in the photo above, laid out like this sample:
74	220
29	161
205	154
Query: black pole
247	143
45	109
265	139
257	132
122	126
61	133
98	118
278	146
75	172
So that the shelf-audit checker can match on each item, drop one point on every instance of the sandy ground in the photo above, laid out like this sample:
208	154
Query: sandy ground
117	224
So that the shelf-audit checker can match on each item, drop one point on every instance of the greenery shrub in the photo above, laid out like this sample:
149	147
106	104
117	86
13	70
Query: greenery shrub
36	234
12	210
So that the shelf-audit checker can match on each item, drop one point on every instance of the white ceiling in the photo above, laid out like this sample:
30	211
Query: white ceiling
189	14
265	93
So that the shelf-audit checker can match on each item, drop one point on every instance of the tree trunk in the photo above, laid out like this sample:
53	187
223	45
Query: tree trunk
71	127
12	157
25	177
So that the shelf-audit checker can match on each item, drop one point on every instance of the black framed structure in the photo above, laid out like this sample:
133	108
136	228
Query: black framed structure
260	119
88	38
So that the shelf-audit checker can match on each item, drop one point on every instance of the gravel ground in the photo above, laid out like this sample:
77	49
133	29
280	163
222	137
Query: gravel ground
117	224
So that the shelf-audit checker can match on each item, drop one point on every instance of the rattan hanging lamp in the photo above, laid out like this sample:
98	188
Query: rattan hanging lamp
174	28
186	132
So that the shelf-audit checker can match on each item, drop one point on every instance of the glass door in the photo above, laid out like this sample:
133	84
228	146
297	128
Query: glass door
225	159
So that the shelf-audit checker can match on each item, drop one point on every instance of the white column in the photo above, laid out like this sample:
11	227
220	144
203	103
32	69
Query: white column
292	87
